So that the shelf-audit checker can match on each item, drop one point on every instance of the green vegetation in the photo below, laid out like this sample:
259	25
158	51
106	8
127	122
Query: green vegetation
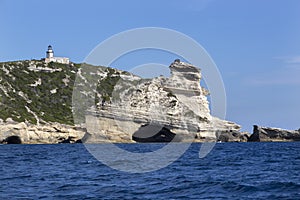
106	86
28	87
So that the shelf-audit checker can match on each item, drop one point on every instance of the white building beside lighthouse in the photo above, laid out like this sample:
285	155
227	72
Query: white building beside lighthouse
50	57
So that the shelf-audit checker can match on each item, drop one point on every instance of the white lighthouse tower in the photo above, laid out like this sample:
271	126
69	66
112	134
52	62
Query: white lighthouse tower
50	57
49	52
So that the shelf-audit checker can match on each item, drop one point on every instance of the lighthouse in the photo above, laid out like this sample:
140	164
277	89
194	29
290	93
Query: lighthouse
50	57
49	52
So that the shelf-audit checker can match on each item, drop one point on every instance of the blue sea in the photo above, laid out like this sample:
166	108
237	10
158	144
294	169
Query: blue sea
229	171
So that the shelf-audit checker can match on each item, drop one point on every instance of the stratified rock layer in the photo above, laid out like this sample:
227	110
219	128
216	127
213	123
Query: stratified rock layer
39	134
176	105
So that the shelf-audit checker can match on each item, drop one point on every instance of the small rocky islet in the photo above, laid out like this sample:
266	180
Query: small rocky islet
112	105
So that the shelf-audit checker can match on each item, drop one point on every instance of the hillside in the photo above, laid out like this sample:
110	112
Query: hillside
37	93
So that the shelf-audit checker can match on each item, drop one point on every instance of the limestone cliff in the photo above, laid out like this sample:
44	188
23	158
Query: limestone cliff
36	104
160	109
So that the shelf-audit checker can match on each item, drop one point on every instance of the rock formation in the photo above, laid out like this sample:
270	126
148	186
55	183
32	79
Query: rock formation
36	105
16	133
158	110
267	134
232	136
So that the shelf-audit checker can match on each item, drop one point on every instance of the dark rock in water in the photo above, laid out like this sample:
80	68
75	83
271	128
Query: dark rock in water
153	133
78	141
70	139
13	140
267	134
256	135
231	136
64	141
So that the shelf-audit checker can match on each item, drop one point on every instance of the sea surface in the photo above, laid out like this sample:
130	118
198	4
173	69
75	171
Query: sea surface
229	171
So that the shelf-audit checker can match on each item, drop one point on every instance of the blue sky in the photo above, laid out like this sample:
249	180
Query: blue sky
255	43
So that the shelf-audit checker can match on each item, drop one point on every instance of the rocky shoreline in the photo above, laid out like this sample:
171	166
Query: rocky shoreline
52	133
268	134
122	108
22	133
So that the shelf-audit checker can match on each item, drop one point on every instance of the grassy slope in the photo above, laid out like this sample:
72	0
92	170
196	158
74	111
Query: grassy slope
17	92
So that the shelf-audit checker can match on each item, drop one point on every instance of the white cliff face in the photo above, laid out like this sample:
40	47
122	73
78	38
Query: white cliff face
178	104
185	83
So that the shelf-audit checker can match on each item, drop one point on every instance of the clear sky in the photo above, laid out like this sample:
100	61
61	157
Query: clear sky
255	43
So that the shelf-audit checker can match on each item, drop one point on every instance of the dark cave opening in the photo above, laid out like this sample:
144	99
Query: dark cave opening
153	133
